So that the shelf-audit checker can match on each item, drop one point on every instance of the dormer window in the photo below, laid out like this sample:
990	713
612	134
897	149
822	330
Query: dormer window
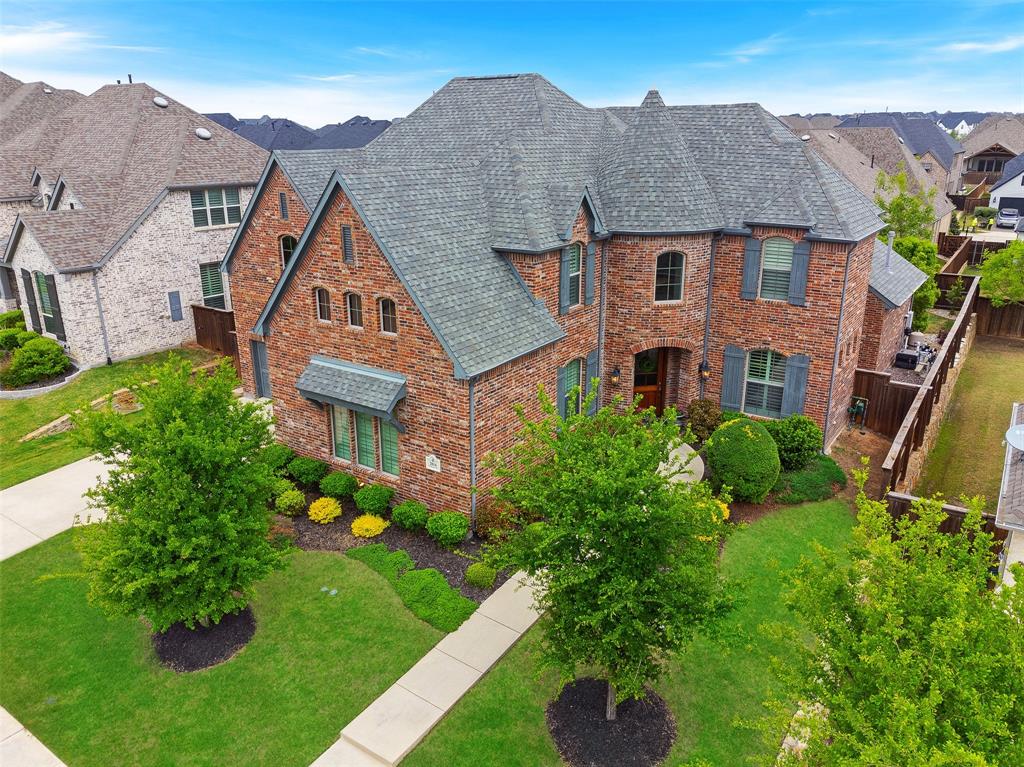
572	263
776	266
215	207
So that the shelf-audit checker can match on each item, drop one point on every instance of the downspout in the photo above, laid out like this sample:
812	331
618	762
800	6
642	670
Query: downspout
472	455
103	322
707	312
600	322
835	350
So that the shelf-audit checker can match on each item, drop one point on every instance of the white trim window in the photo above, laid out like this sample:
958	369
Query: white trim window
776	267
354	306
765	383
287	247
388	317
341	434
215	207
575	274
323	305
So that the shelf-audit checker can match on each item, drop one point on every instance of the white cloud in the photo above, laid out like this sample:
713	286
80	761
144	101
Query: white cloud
1004	45
51	39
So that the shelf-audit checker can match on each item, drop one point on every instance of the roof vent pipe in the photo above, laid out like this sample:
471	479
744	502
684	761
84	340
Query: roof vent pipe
129	79
888	252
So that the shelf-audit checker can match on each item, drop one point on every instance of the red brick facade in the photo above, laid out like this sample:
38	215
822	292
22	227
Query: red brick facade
883	333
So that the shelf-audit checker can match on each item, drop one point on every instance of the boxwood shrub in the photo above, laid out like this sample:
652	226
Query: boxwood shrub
9	338
448	528
290	502
339	485
278	456
24	336
412	515
373	499
307	471
798	439
480	575
37	360
742	454
12	319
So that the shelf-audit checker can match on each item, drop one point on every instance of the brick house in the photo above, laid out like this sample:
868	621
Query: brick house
403	296
130	200
887	313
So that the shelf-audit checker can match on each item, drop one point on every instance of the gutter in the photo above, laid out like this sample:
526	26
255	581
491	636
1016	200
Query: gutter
103	322
715	238
835	349
601	322
472	455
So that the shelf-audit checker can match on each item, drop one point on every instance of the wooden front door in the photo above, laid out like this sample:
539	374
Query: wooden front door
649	378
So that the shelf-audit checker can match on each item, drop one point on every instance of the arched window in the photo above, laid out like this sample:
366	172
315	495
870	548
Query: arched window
354	305
766	381
388	316
323	304
288	244
776	265
668	279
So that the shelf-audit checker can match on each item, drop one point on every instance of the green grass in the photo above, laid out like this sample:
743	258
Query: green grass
500	722
91	690
814	482
23	460
968	454
937	323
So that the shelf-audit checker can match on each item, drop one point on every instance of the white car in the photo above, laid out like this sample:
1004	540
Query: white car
1008	217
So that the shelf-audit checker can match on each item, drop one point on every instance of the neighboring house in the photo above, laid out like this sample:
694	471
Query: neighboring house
960	123
351	134
993	143
396	301
1008	191
274	133
800	124
888	311
139	197
280	133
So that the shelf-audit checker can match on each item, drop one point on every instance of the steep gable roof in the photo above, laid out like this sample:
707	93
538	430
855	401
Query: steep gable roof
1003	129
276	134
1010	171
355	132
25	105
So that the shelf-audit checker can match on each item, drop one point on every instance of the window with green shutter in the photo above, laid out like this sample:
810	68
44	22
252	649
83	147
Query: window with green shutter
388	448
215	207
575	273
364	440
45	303
213	285
571	373
776	265
341	433
766	381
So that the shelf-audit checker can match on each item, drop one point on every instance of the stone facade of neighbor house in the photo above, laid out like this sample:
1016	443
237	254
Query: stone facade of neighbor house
506	282
883	333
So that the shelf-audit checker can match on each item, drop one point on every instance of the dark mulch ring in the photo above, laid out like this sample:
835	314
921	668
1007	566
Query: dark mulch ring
641	736
183	649
45	381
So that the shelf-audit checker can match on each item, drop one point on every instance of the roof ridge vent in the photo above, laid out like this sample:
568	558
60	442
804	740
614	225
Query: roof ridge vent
652	99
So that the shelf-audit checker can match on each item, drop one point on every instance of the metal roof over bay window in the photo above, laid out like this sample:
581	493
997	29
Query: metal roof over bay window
358	387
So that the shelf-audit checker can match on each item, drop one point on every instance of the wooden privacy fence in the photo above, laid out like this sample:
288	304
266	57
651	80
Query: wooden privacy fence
888	400
899	505
910	435
1005	321
215	330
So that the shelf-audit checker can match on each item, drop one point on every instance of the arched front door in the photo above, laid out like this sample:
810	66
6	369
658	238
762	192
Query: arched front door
649	374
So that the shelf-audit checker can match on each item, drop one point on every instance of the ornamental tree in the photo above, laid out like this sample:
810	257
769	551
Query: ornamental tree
1002	275
916	659
625	560
924	254
908	213
185	534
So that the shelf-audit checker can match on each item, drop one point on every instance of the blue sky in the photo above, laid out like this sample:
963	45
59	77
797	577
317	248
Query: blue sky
320	62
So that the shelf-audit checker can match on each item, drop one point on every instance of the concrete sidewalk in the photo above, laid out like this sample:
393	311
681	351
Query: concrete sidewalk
41	507
386	731
20	748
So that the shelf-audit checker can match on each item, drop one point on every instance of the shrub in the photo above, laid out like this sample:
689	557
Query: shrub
704	417
798	439
290	502
729	415
373	499
282	485
12	319
9	338
307	471
391	564
412	515
480	575
278	456
37	360
448	528
24	336
742	455
368	526
495	518
324	510
339	485
983	211
814	482
427	594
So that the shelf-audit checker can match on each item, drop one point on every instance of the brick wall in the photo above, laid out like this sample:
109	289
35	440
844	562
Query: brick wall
883	333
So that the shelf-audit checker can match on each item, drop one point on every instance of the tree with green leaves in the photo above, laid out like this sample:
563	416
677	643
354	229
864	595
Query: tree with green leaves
625	559
1002	275
924	254
185	534
917	660
908	213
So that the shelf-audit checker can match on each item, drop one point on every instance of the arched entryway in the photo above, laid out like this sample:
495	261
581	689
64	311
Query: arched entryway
662	377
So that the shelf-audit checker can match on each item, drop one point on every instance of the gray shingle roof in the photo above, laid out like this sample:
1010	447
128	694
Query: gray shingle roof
1011	169
276	134
920	133
25	105
369	390
894	283
1003	129
351	134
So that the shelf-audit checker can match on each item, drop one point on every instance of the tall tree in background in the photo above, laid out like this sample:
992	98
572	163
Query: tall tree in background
909	214
1002	275
924	254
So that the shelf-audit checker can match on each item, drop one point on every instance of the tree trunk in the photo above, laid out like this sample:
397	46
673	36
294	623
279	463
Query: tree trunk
610	706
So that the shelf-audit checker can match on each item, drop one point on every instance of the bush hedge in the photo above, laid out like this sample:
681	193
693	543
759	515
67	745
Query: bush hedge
741	454
24	336
429	596
12	319
373	499
480	575
703	417
448	528
339	485
391	564
290	502
9	338
282	485
37	360
307	471
495	519
798	439
324	510
368	526
815	482
412	515
278	456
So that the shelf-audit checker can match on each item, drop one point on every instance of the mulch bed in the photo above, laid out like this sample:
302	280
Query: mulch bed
46	381
183	649
641	736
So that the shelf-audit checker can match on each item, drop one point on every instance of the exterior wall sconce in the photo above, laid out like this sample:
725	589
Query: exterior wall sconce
616	376
705	371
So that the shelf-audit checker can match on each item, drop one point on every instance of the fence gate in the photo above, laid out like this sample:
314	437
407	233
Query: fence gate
215	330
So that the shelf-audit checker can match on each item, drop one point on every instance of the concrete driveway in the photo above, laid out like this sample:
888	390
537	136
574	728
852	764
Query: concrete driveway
41	507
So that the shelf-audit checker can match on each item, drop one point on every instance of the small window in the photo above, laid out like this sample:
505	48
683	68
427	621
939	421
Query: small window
45	304
388	448
573	389
348	254
364	441
323	304
282	204
354	304
388	316
288	244
766	379
213	285
215	207
776	265
668	279
341	434
575	273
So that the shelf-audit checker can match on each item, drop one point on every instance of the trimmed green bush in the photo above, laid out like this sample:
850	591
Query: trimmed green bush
307	471
339	485
282	485
429	596
37	360
24	336
9	338
480	575
373	499
448	528
290	502
741	454
391	564
12	319
815	482
798	439
412	515
278	456
703	417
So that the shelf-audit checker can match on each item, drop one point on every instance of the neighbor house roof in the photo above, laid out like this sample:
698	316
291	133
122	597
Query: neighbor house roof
498	164
355	132
119	152
893	278
25	105
800	124
225	119
1010	171
274	133
952	119
1003	129
919	133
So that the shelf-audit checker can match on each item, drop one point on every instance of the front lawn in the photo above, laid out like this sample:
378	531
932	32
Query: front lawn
501	721
23	460
91	689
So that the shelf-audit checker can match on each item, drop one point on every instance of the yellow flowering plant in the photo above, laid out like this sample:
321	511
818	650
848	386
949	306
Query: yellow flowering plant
369	526
324	510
